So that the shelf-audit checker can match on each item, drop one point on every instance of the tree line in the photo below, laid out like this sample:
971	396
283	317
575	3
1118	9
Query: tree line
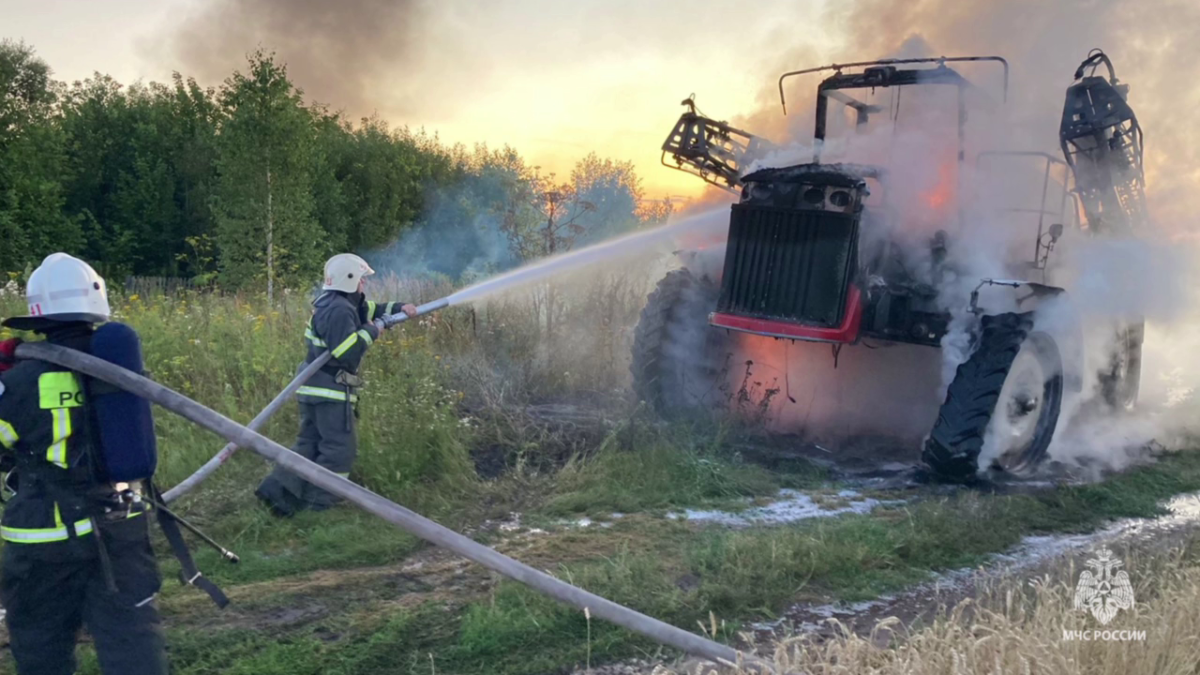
250	186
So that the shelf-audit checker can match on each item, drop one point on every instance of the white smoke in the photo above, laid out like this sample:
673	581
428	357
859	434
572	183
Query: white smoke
1108	281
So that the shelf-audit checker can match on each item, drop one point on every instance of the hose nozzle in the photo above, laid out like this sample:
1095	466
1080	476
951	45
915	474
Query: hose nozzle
392	319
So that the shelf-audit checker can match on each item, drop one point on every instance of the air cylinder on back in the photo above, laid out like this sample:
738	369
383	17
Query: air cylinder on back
126	422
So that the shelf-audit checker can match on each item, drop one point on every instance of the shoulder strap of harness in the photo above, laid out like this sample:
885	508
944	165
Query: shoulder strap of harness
189	574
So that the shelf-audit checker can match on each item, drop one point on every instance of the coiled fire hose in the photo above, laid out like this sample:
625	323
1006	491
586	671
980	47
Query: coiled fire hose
283	397
399	516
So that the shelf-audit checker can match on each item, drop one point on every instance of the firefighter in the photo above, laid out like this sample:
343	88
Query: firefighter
341	323
75	554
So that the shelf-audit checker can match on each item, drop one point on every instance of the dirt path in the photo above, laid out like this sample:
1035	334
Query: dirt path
1034	557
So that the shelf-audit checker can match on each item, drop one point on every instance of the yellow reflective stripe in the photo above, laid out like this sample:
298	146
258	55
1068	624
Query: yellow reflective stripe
20	535
371	310
391	308
312	337
8	435
346	345
321	392
56	454
59	390
44	535
366	336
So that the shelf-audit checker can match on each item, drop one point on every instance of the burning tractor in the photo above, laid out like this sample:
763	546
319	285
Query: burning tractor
818	253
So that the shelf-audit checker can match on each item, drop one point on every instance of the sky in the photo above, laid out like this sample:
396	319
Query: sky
554	79
559	78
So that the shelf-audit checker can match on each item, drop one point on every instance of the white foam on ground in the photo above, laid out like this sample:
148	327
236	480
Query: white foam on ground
793	506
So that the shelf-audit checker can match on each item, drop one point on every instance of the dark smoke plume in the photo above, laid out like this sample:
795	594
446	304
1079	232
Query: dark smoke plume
347	54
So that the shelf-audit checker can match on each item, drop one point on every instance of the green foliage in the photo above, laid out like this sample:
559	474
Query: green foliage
249	183
264	202
32	222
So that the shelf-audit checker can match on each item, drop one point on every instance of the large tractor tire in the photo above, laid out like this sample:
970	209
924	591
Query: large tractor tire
1120	382
679	361
1009	392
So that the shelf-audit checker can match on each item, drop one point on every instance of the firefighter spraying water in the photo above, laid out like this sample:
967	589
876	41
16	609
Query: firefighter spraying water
342	325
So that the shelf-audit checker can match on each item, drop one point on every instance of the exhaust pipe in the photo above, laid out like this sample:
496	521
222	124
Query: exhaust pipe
399	516
190	483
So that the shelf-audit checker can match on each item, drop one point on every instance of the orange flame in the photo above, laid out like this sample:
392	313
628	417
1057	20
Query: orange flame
942	194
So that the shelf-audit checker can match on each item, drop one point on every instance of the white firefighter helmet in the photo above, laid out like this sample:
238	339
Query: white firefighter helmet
343	272
63	288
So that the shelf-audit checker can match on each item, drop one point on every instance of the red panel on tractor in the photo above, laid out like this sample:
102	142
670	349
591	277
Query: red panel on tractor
845	333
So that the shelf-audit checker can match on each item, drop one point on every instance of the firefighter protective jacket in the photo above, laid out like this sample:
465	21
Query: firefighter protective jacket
45	422
341	323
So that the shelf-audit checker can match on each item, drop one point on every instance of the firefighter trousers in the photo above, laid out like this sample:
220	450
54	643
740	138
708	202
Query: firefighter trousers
329	437
50	591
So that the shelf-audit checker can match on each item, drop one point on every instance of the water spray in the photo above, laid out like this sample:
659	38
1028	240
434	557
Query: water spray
537	271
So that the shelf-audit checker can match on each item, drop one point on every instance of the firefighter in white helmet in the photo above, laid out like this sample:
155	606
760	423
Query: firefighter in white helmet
342	324
73	555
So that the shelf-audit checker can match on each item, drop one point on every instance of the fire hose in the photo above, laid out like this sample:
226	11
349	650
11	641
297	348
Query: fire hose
276	403
375	504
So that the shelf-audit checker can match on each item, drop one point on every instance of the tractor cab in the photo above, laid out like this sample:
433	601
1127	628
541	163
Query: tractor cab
824	252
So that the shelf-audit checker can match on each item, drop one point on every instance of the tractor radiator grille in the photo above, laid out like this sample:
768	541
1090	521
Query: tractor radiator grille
788	264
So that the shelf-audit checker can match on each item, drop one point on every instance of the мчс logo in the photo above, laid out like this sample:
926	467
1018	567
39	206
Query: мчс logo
1104	590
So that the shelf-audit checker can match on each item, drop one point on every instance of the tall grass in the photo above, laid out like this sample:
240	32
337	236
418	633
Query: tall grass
1017	626
434	385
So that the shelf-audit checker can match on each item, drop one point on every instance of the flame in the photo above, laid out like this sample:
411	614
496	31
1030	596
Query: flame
941	195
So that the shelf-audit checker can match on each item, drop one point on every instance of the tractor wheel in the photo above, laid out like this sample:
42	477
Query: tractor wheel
1009	392
1121	381
678	360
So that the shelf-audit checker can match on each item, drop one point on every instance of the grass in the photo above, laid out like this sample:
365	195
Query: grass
439	390
674	572
1018	626
639	468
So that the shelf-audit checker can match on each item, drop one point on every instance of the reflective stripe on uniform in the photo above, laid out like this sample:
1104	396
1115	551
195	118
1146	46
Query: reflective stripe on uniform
312	336
322	392
371	310
346	345
8	435
56	454
43	535
366	336
391	308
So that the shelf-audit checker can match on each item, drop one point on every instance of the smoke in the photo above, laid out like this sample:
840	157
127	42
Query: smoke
341	53
458	236
1109	281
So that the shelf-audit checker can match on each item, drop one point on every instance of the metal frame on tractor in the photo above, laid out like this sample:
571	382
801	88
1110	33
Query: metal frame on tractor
760	283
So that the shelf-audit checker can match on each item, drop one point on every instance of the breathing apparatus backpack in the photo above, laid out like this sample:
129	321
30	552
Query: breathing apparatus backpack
128	448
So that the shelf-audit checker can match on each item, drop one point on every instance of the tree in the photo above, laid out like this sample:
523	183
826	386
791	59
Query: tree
264	205
32	224
141	167
613	189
